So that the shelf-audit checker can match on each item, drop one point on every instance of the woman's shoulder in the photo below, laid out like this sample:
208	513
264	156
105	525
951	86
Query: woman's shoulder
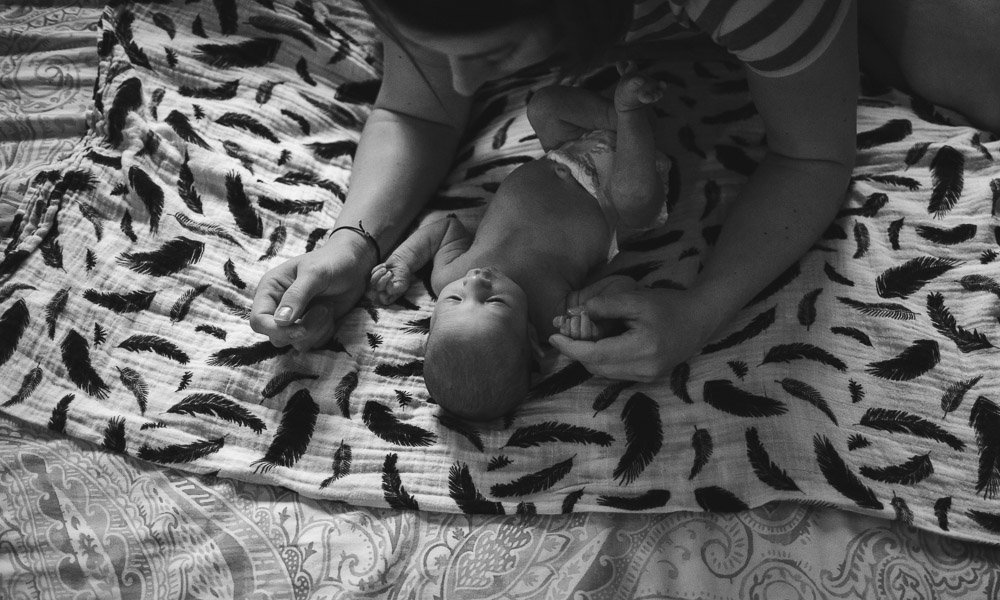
776	38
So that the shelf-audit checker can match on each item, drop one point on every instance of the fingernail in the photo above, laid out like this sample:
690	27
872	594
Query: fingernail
575	310
284	314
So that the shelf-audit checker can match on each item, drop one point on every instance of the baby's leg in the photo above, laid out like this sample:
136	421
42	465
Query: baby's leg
942	50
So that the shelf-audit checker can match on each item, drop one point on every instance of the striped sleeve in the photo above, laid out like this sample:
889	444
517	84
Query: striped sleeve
774	38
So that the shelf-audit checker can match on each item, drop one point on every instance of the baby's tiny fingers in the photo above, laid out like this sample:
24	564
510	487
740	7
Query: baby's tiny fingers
586	327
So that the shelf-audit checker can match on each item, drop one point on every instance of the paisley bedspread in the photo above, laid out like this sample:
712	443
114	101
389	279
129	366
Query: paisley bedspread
217	142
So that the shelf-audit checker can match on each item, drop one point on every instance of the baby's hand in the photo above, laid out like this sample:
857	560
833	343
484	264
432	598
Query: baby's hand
636	91
388	282
577	325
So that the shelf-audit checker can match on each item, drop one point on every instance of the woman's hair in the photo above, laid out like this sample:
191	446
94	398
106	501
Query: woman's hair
587	30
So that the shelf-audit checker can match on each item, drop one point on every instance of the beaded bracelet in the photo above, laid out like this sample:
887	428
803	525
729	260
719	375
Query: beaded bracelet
360	230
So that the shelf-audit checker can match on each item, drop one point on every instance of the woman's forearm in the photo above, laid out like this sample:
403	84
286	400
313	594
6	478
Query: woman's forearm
782	210
399	163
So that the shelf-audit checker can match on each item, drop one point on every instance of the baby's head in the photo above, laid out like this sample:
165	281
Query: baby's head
478	357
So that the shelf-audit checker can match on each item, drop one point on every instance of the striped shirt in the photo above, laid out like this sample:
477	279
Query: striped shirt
772	37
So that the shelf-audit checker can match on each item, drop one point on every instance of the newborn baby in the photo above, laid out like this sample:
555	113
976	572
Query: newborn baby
551	221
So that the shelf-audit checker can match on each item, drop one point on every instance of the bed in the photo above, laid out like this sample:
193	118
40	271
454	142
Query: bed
151	174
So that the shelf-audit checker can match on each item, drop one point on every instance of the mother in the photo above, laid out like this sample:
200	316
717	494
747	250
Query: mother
801	58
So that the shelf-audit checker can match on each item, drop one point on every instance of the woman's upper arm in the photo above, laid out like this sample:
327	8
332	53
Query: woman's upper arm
417	83
812	114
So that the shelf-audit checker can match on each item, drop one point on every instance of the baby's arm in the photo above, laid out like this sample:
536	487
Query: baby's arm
635	186
560	113
577	324
443	240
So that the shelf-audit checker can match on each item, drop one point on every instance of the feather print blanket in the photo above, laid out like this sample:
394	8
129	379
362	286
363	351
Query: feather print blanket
866	376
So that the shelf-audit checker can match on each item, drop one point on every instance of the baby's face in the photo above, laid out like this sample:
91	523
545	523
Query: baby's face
484	303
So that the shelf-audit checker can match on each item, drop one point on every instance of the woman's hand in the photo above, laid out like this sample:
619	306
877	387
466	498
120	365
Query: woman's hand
662	329
297	302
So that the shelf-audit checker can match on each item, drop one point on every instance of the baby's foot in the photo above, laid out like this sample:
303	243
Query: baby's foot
388	283
636	91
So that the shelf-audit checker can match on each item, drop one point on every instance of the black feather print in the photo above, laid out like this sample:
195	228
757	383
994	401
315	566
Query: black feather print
921	356
853	333
134	383
857	441
716	499
265	91
947	237
980	283
342	395
896	180
57	421
570	500
202	228
915	153
643	437
947	174
165	23
127	99
656	242
332	150
198	28
155	344
807	308
609	394
275	242
894	228
856	390
735	159
171	257
905	279
403	397
995	188
28	386
114	436
498	462
182	305
76	358
941	507
463	428
870	208
568	377
134	301
943	321
235	308
151	142
179	122
149	193
90	261
237	151
298	419
152	425
186	189
95	218
223	91
895	130
247	123
886	310
722	395
987	520
903	512
198	111
804	391
897	421
366	91
955	393
400	370
499	137
393	491
243	212
649	500
687	139
100	334
343	117
550	431
840	476
123	29
977	143
302	69
230	271
284	157
12	288
862	239
277	25
913	471
984	418
380	421
374	340
796	351
185	381
54	308
300	178
701	443
218	406
181	453
341	466
299	120
758	325
766	470
786	277
282	380
212	330
126	226
228	16
532	483
52	252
